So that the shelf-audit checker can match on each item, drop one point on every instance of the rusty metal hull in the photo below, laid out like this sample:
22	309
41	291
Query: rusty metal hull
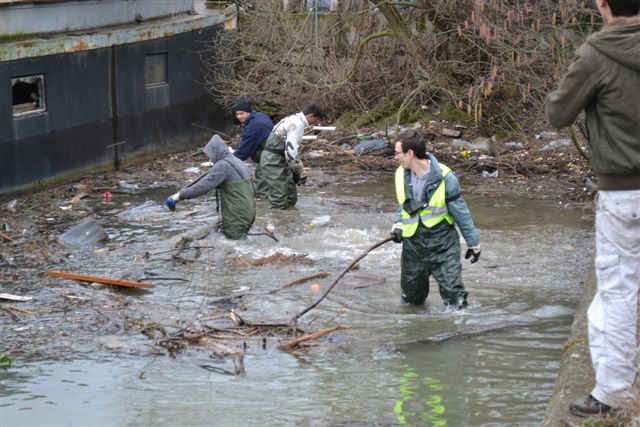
97	100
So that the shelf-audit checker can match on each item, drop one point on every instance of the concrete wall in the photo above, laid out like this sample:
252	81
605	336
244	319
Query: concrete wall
575	378
28	17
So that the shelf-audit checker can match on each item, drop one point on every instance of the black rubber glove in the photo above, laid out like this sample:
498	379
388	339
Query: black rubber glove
299	179
473	253
396	232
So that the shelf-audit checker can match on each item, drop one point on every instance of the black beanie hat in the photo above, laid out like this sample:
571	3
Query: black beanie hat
242	105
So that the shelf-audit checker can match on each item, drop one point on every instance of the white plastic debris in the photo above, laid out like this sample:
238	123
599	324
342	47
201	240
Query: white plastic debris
320	221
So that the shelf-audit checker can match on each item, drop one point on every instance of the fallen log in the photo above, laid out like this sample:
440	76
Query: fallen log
98	279
294	343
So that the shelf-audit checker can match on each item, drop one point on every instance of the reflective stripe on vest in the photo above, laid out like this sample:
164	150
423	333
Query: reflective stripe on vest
432	214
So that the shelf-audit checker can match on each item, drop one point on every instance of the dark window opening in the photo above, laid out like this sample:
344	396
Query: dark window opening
28	95
155	69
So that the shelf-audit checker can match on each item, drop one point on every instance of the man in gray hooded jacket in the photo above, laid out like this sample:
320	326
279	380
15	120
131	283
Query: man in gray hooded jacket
430	205
604	80
232	177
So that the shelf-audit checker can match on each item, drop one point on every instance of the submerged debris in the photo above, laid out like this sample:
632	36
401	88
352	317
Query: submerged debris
87	233
278	259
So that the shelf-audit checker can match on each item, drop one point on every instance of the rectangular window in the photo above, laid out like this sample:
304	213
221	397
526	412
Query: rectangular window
28	95
155	69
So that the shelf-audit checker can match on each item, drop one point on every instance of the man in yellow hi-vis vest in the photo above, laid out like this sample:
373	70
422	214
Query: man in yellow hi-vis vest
430	205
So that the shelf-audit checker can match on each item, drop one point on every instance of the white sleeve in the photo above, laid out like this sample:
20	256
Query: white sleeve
295	131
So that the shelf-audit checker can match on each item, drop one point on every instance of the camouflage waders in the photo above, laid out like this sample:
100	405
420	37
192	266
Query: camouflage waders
282	192
238	208
261	186
432	251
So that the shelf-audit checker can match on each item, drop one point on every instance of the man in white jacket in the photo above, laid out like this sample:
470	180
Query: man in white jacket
280	160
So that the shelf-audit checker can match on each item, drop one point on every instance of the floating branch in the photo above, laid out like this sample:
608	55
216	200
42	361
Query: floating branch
294	343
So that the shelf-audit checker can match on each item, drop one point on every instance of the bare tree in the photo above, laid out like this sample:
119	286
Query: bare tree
493	60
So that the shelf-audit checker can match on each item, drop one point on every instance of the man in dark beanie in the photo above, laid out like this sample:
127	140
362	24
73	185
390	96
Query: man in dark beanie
243	105
256	127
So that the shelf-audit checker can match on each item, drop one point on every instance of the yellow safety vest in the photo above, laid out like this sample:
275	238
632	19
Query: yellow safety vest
432	214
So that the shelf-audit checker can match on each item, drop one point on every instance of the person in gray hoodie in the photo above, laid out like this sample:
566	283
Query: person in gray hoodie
604	80
231	176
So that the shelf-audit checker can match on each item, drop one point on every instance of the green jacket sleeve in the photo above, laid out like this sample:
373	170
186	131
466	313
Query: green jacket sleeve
575	91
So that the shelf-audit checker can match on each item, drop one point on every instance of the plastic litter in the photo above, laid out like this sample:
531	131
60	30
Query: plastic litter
87	233
546	135
556	143
493	174
124	185
193	169
370	146
514	144
320	221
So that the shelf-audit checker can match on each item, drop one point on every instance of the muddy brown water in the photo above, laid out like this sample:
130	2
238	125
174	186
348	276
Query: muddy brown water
492	365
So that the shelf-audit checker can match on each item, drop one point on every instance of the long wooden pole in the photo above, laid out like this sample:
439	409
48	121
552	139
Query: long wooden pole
98	279
335	282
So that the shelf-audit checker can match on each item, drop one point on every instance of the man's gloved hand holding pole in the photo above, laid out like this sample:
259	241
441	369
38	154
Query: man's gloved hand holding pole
396	232
474	253
172	200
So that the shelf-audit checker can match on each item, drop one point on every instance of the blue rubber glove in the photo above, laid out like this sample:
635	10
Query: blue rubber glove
172	200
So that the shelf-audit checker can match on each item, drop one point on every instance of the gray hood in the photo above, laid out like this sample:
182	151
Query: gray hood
619	40
216	149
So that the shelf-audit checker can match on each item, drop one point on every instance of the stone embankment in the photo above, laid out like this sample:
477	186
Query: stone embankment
575	378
